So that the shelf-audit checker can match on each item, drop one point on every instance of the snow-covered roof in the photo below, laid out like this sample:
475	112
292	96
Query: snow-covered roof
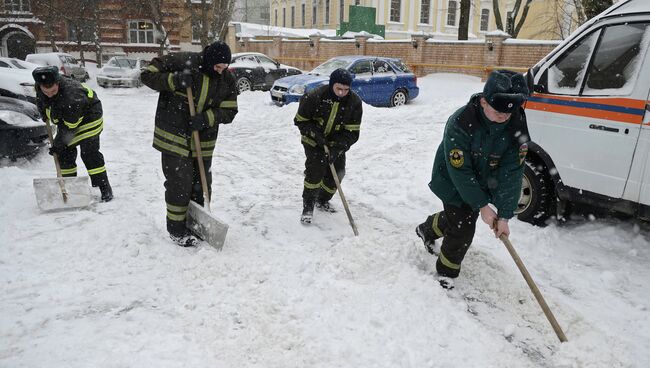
252	30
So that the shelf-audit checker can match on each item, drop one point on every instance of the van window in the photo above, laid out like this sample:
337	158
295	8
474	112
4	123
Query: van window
567	73
618	59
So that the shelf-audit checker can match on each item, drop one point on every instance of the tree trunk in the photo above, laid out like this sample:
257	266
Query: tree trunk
463	25
497	14
97	36
522	19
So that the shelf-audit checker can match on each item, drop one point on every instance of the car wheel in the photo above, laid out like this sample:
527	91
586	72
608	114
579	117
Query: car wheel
398	98
537	198
243	84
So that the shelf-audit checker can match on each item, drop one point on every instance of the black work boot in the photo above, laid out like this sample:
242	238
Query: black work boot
429	245
325	206
186	240
107	191
307	211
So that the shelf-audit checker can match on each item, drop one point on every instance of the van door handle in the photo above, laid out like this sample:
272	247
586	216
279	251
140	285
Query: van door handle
602	127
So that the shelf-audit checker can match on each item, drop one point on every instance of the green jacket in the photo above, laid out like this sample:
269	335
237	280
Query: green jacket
481	162
75	110
340	121
214	97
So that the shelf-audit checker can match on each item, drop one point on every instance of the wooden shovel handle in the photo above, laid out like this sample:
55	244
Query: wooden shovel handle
50	136
338	187
533	287
199	153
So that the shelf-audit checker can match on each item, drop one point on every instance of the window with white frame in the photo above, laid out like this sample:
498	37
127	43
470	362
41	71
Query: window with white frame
141	32
196	31
314	12
341	10
451	13
396	10
284	17
425	10
293	17
327	11
276	17
13	6
303	8
485	19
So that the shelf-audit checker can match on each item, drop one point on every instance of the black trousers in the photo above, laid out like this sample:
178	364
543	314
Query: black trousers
91	157
182	184
456	225
319	183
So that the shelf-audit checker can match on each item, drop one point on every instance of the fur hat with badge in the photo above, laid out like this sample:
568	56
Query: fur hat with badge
46	75
505	90
216	53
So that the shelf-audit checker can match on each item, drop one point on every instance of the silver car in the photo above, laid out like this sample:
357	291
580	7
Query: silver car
67	64
121	71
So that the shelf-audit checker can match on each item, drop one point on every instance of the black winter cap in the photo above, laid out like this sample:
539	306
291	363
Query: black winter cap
342	76
216	53
505	90
46	75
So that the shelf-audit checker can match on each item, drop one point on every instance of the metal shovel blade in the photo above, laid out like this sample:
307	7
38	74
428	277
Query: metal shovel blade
206	226
49	196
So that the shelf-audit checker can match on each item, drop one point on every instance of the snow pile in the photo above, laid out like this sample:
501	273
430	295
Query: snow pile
104	287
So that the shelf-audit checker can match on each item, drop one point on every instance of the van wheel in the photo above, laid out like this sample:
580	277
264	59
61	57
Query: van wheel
537	198
398	98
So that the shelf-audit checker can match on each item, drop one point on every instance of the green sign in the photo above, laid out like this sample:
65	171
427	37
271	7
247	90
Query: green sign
362	18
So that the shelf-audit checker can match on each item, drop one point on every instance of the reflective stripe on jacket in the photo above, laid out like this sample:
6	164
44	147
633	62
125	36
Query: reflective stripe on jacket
75	110
214	97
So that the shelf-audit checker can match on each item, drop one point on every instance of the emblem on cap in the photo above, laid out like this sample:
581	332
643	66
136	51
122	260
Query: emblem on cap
456	158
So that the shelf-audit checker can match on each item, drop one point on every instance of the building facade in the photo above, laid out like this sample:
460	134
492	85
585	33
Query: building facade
122	27
546	19
252	11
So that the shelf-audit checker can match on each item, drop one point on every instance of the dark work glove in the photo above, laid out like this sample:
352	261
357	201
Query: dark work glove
199	122
314	133
58	147
182	80
335	152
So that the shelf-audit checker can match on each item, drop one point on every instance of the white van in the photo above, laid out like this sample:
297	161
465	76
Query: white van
65	62
589	119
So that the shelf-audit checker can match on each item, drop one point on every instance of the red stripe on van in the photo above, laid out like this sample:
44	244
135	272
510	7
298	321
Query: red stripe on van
590	112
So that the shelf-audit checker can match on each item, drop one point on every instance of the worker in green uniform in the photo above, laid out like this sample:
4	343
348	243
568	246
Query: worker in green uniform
480	161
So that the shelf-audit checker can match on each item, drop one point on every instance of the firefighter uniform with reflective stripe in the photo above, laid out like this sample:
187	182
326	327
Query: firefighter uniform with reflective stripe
215	96
339	120
478	162
77	112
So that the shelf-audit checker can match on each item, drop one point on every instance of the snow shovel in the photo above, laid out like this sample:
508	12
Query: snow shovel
534	289
338	187
61	193
200	219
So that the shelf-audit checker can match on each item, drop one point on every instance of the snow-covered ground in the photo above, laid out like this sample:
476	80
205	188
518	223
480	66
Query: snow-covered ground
104	287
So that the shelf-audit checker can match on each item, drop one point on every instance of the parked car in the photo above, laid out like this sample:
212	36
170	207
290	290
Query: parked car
121	72
14	63
22	132
65	62
17	83
379	81
589	119
255	71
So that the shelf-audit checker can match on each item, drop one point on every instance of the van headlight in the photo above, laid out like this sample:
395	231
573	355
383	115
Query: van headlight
297	90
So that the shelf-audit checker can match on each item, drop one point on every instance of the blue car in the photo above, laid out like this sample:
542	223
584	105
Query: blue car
379	81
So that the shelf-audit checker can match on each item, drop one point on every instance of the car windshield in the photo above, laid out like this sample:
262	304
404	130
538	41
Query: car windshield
123	63
17	64
329	66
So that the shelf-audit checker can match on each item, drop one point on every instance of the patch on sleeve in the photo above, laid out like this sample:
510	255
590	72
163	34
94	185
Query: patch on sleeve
456	158
523	151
